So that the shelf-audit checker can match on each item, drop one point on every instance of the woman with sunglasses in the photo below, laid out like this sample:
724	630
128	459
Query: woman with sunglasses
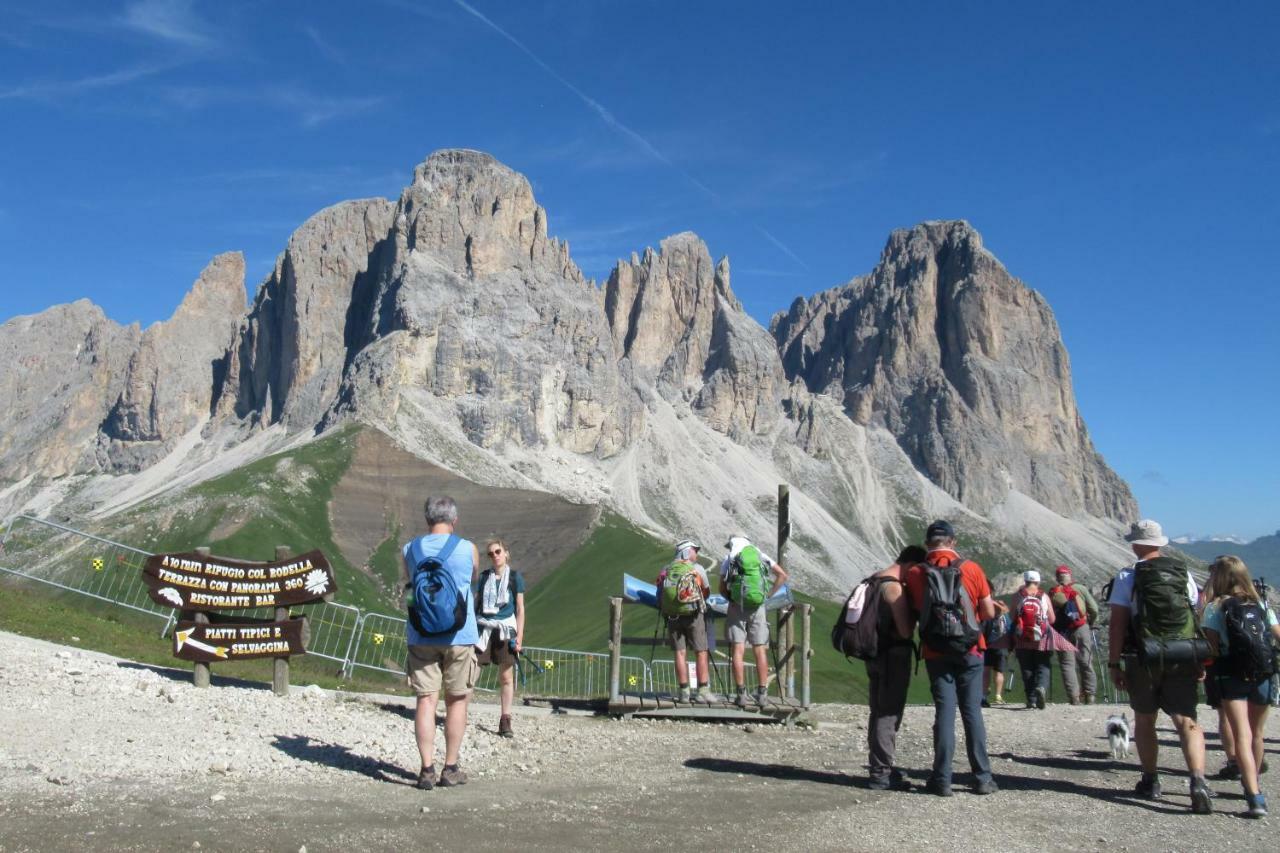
500	617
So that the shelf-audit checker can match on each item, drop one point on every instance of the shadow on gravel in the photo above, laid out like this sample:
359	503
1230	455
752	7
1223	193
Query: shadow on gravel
184	676
342	758
769	771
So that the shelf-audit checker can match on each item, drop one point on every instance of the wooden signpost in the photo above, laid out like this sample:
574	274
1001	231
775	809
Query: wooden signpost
242	639
203	587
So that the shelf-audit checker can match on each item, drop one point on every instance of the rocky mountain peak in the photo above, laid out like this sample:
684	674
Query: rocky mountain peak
964	364
478	216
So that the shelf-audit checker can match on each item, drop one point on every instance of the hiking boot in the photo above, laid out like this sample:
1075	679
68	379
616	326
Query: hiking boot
683	695
1040	698
893	780
762	696
426	778
1201	802
985	703
1257	804
1148	787
1074	700
706	696
504	726
1088	699
1229	771
938	789
452	776
741	698
999	699
987	787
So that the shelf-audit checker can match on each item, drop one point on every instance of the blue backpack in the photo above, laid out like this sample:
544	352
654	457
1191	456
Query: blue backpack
437	606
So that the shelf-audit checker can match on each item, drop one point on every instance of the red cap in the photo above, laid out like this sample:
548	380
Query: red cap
1062	570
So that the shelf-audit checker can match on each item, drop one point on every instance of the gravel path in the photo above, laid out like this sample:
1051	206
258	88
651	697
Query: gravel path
99	753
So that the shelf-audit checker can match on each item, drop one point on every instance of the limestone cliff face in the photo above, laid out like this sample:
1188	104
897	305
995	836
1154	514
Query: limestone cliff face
288	359
474	305
169	383
677	323
964	365
60	372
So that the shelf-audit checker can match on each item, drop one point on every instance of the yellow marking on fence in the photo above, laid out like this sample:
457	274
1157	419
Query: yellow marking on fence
98	564
378	638
632	680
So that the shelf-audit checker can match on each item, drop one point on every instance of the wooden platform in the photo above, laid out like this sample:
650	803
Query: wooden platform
664	706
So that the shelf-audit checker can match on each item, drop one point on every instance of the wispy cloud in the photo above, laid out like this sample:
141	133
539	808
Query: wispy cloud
51	89
175	21
311	108
616	124
1154	477
327	50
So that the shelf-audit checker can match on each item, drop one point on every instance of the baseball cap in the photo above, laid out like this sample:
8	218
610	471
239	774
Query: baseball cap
940	530
1063	570
1146	532
684	544
729	544
1031	576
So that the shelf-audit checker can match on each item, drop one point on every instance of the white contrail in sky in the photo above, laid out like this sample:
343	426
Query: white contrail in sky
612	121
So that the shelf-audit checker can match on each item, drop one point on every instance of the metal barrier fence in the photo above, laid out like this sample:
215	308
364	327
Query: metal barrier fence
662	676
78	562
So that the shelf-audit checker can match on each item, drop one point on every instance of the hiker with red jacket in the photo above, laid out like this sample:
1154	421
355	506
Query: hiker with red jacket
950	595
1076	611
1032	621
889	673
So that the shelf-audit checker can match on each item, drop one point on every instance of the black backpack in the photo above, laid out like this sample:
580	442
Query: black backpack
861	638
947	621
1250	651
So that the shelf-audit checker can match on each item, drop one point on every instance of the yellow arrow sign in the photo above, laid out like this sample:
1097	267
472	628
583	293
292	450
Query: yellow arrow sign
184	639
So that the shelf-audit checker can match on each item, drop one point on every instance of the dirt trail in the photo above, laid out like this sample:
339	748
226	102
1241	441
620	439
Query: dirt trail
386	485
101	754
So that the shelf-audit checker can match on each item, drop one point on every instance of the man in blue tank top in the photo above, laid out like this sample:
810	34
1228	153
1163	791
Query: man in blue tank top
446	659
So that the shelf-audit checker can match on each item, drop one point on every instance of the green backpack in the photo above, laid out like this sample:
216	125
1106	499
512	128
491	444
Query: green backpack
1165	629
747	579
681	592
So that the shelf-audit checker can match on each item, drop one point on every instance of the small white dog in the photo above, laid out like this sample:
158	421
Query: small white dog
1118	733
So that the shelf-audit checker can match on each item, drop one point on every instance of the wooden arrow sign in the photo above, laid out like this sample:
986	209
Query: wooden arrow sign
191	581
240	640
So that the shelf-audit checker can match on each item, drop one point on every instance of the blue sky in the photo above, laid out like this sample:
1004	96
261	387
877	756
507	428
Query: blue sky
1123	159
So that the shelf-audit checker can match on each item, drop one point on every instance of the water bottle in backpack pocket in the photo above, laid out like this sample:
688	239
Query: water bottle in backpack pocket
437	606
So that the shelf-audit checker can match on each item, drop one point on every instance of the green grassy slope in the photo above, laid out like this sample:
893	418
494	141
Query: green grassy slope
280	499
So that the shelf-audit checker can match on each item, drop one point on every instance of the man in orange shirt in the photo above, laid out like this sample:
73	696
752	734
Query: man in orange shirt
950	596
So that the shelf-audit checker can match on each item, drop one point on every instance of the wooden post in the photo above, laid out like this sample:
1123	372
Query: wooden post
784	518
615	648
805	652
790	665
200	675
280	668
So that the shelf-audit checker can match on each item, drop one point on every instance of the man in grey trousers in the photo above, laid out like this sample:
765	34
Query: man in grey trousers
1075	611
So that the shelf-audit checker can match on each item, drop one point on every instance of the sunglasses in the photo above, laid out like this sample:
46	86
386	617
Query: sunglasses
495	552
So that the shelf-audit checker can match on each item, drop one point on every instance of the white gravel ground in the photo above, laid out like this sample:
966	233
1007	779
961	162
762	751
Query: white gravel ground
99	753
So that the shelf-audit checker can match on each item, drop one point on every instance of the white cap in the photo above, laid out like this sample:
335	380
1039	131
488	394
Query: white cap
1031	576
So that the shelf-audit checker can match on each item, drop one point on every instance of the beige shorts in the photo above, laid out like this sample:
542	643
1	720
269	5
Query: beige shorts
749	625
453	666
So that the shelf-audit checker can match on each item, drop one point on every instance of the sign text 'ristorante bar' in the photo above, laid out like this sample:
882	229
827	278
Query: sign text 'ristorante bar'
240	640
195	582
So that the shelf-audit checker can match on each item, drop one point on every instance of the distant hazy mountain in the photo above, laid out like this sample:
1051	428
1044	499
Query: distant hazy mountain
1262	555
